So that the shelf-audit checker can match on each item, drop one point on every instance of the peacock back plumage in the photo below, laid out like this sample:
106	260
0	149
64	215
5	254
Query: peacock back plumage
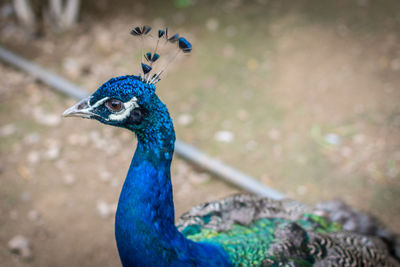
257	231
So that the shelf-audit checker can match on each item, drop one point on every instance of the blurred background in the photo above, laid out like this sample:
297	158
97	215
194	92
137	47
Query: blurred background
303	95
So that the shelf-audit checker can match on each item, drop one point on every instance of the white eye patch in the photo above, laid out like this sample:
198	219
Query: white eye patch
124	113
117	116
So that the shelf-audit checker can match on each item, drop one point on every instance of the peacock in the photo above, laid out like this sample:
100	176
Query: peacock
240	230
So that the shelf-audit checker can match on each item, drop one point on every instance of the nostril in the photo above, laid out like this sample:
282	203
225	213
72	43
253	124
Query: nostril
83	105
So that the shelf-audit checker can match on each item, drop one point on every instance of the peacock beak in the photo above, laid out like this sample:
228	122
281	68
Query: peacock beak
81	109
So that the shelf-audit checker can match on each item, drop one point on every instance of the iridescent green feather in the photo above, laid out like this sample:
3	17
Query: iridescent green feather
256	231
248	245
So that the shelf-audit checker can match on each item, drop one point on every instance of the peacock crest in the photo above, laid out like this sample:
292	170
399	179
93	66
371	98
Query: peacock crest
149	59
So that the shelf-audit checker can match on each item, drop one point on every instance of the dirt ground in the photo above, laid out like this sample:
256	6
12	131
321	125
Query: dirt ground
304	97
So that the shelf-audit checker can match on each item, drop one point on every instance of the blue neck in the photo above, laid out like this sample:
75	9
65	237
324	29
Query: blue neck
145	231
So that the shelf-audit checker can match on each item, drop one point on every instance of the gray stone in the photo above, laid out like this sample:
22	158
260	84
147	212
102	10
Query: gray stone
21	246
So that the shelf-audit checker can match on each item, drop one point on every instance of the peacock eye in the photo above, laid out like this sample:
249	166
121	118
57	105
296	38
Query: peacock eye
114	105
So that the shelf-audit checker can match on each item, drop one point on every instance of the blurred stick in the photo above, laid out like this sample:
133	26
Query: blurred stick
184	150
55	8
25	14
71	13
64	13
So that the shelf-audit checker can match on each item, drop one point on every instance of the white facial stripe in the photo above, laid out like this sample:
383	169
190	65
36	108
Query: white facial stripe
123	114
100	102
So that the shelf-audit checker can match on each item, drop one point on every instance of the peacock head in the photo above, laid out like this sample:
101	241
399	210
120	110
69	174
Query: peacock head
130	101
123	101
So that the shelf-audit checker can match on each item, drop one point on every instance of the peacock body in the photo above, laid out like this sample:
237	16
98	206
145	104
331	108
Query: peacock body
241	230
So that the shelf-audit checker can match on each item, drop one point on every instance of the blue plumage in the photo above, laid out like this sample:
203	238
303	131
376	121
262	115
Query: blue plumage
161	33
151	57
184	45
144	227
146	68
138	31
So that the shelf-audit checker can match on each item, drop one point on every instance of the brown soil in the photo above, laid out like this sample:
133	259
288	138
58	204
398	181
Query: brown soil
309	91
